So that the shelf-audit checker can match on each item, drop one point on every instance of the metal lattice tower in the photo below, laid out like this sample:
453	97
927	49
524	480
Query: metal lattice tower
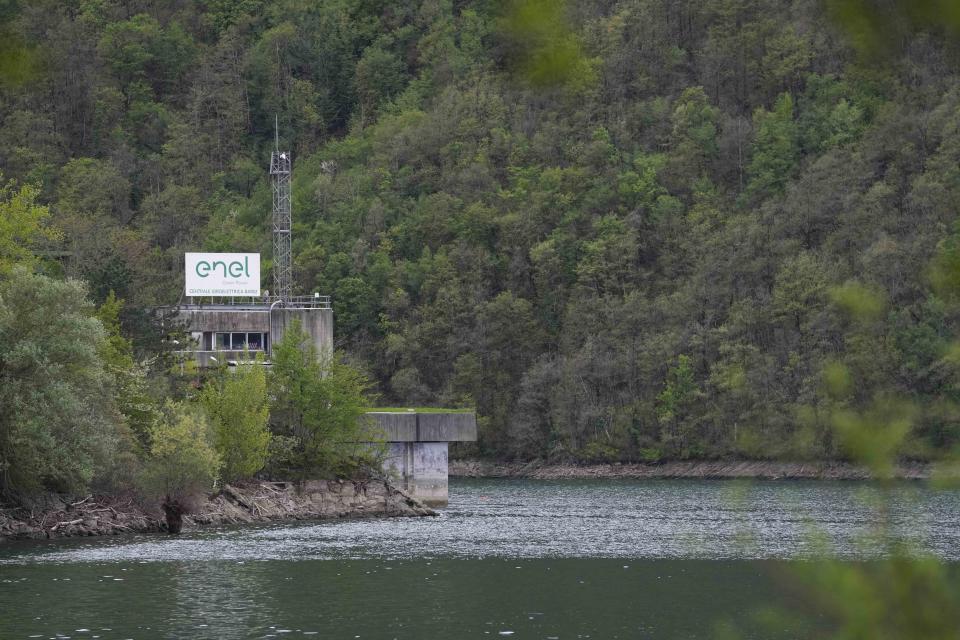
282	257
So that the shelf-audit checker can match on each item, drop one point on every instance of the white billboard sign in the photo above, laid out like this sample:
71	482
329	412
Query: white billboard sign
222	274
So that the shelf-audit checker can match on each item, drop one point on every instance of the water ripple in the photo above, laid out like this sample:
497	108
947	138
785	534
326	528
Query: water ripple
575	519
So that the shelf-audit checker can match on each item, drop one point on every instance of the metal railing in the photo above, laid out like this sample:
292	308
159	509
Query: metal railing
315	301
228	357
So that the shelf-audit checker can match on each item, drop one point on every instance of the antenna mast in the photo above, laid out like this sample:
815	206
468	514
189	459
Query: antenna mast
282	221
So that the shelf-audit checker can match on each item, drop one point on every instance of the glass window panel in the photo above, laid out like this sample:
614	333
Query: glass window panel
223	341
255	341
239	341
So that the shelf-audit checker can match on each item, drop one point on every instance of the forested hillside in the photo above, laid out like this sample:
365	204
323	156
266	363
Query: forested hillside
637	230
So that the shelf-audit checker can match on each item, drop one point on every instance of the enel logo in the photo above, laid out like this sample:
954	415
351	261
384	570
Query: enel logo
233	269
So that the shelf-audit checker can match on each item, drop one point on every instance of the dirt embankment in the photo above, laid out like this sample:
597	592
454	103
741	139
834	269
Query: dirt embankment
57	517
687	469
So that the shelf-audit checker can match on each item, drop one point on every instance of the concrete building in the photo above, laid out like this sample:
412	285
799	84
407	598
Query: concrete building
237	320
228	321
222	332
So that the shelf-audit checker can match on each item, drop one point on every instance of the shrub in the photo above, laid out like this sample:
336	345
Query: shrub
237	407
59	425
319	401
183	459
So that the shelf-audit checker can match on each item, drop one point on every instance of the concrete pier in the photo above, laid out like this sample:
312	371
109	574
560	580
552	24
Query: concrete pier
418	446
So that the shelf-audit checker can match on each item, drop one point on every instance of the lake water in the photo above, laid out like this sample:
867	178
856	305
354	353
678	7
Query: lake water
508	558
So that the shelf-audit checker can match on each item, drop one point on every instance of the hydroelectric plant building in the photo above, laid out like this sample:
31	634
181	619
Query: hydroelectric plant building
228	320
225	314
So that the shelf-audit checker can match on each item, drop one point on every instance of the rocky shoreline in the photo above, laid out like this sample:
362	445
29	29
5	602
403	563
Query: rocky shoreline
257	502
710	469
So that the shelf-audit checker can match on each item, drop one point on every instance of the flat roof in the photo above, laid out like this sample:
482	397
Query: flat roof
253	306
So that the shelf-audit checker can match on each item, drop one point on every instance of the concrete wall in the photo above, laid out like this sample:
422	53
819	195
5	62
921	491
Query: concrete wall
206	358
317	323
420	469
200	319
427	427
447	427
396	427
418	449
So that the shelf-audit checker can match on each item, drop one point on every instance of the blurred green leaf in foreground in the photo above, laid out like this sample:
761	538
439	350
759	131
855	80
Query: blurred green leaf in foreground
878	28
542	46
903	593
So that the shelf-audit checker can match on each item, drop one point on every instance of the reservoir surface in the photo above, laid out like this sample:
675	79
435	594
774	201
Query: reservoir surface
508	558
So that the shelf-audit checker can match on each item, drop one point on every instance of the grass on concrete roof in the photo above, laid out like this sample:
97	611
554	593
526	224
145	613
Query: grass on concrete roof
417	410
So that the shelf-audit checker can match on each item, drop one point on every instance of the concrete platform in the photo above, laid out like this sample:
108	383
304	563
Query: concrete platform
418	448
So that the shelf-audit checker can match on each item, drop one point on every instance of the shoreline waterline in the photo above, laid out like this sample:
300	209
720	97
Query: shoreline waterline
280	502
699	469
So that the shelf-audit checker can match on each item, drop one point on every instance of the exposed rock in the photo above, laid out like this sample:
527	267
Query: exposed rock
256	502
314	499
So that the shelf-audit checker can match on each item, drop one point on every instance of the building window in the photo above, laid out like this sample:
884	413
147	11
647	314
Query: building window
240	340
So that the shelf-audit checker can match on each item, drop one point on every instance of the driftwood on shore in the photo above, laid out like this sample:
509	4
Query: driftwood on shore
58	517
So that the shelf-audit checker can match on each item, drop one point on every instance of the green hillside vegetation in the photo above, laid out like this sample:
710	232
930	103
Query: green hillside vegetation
621	230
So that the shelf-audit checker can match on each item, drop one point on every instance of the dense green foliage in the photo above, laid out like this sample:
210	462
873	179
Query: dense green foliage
902	593
59	425
237	406
619	229
183	460
137	403
80	413
318	403
22	226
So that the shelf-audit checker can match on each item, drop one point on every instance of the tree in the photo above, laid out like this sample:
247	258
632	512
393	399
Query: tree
379	76
608	261
140	49
96	190
183	459
679	393
132	394
592	159
506	338
776	149
693	137
92	207
237	407
319	400
22	225
59	423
